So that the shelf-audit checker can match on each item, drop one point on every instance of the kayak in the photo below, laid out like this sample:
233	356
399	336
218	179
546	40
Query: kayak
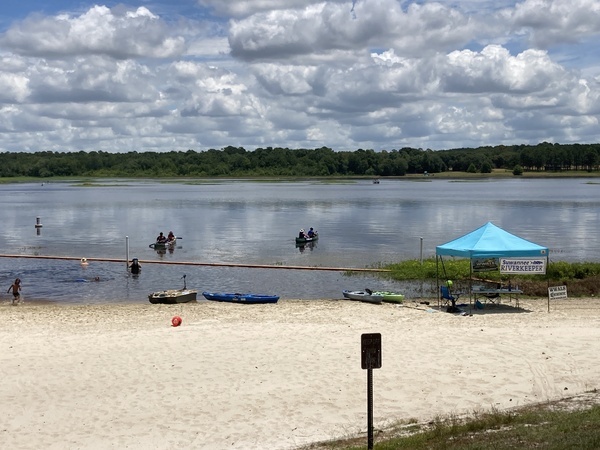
240	298
390	297
162	245
363	296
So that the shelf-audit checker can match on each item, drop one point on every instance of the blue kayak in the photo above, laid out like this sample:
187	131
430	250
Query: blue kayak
240	298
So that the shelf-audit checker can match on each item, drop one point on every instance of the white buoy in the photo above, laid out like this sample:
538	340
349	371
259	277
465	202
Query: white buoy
38	223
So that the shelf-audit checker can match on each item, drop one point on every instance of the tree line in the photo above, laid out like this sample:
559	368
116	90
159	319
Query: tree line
321	162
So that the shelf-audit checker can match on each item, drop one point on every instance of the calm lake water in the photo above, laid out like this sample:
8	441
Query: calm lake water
360	224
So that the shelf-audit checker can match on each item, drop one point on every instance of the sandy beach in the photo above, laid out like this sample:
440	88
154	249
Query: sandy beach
274	376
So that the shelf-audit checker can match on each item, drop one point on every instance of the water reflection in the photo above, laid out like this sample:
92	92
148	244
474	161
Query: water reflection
306	245
256	223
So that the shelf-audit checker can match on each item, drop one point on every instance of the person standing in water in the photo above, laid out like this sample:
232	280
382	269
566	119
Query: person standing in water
16	291
135	266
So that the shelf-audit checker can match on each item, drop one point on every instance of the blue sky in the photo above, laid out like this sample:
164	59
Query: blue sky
372	74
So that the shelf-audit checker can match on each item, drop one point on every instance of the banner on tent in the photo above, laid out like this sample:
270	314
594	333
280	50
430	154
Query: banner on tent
523	266
484	264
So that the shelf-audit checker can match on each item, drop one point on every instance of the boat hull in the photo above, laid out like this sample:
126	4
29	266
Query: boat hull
363	296
240	298
164	245
391	297
307	240
173	296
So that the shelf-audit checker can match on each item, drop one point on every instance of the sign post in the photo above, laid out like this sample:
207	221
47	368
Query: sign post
556	293
370	347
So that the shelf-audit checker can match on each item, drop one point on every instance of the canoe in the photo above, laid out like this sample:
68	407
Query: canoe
363	296
391	297
240	298
173	296
306	240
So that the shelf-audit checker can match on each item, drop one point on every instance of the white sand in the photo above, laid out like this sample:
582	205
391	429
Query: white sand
273	376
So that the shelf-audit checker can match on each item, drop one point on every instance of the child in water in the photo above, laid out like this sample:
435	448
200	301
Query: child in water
16	288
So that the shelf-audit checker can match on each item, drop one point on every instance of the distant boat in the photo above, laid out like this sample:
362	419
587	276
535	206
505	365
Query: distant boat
305	240
164	245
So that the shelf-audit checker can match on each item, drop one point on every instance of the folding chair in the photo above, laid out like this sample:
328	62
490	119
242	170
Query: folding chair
447	298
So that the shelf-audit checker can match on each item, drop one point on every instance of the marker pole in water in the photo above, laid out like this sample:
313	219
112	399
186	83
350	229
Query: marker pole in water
126	251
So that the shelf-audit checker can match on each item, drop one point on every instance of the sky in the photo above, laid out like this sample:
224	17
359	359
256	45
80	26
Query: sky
182	75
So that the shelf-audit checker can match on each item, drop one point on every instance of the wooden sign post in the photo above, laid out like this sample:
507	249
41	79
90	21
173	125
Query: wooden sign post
370	346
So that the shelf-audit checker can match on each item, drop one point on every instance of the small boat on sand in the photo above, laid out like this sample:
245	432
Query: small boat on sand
240	298
171	296
390	297
363	296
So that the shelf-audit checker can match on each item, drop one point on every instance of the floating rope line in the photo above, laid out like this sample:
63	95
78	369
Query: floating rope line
189	263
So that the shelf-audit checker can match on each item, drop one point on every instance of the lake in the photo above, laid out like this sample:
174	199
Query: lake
360	224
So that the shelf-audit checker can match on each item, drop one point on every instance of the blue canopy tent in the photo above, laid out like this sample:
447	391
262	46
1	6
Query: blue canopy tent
490	241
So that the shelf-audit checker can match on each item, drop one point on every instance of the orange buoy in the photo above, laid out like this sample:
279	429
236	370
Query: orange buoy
176	321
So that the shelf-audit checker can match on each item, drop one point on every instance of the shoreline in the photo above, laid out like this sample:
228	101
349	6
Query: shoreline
275	376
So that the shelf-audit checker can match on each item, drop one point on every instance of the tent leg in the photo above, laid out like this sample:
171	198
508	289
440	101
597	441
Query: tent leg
437	281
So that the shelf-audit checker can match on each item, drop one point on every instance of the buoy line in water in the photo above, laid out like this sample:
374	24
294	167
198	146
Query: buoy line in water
190	263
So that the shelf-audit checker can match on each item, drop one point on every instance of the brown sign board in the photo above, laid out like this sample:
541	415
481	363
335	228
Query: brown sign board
370	349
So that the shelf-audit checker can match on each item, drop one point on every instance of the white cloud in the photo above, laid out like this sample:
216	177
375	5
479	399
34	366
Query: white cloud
328	27
557	21
384	74
249	7
98	31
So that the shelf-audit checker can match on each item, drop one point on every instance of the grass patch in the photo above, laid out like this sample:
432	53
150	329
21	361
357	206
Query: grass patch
581	278
571	423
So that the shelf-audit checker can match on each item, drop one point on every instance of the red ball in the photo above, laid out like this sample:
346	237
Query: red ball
176	321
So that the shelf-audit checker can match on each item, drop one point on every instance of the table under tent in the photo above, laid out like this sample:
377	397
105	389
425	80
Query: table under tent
489	247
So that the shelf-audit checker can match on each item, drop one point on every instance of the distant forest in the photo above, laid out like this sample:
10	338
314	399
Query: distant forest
320	162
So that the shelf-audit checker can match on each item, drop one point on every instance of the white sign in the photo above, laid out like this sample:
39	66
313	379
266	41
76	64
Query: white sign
523	266
557	292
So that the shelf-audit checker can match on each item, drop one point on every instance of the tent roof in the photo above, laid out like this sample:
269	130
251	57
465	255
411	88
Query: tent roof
490	241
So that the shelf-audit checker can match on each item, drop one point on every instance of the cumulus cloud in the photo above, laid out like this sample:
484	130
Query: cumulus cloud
246	8
556	21
343	74
99	31
328	27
